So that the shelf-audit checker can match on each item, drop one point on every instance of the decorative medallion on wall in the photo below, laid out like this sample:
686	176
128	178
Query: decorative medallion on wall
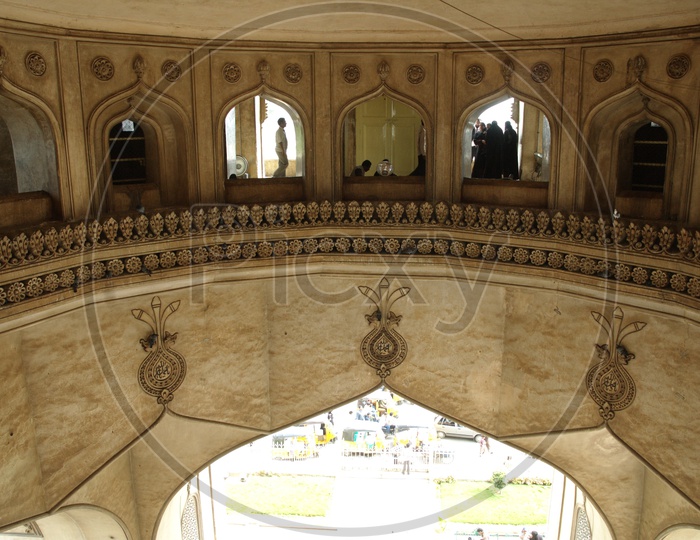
293	73
35	63
164	369
541	72
475	74
415	74
603	70
232	72
383	70
507	68
263	70
678	66
351	74
102	68
384	348
636	66
171	70
608	382
3	59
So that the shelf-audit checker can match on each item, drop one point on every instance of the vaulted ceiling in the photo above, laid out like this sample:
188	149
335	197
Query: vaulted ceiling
425	21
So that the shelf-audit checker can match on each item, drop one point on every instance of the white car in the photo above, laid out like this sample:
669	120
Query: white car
449	428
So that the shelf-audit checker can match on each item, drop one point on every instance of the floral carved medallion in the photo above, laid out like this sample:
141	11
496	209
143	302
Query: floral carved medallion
415	74
163	369
35	64
678	66
608	382
351	74
384	348
171	70
603	70
102	68
475	74
541	72
232	73
293	73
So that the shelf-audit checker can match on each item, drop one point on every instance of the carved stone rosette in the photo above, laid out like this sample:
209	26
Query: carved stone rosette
475	74
102	68
415	74
609	384
171	70
351	74
383	348
163	369
678	66
541	72
35	64
603	70
293	73
232	73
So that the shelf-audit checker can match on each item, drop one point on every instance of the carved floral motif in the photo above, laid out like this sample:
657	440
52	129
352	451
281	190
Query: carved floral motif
231	72
475	74
163	369
609	384
383	348
293	73
603	70
171	70
351	74
541	72
678	66
102	68
35	63
415	74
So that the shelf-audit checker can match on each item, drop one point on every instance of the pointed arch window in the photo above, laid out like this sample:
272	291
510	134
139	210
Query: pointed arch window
649	155
127	153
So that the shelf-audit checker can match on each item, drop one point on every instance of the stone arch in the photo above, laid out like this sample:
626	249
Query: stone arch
172	180
30	158
605	131
681	532
340	142
301	126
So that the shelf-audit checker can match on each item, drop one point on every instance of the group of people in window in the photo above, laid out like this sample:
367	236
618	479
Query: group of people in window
494	151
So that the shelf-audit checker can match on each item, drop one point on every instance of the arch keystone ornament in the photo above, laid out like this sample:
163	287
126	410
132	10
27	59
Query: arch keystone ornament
163	369
608	382
384	348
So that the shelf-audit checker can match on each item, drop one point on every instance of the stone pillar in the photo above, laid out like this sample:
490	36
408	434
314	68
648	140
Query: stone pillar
246	131
530	136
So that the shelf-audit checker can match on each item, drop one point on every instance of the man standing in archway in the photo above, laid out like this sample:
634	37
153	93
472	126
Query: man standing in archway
281	149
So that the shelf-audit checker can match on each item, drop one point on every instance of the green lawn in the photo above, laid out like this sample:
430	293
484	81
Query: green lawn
515	505
282	495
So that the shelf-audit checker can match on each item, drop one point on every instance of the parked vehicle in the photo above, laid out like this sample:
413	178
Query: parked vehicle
324	431
297	442
446	427
363	437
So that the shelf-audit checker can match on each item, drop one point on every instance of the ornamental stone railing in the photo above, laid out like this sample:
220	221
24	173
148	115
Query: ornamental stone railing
40	262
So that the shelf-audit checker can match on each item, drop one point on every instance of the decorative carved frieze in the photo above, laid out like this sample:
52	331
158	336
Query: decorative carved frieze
35	63
450	228
163	369
415	74
603	70
293	73
678	66
171	70
383	348
231	72
609	384
475	74
102	68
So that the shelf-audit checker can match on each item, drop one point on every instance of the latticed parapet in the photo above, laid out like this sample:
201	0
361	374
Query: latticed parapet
648	255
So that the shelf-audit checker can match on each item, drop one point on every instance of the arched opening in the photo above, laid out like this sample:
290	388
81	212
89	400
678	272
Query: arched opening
504	141
387	140
77	521
28	174
523	152
264	139
377	464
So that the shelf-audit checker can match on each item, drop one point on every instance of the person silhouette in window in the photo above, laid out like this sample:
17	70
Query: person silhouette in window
281	149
